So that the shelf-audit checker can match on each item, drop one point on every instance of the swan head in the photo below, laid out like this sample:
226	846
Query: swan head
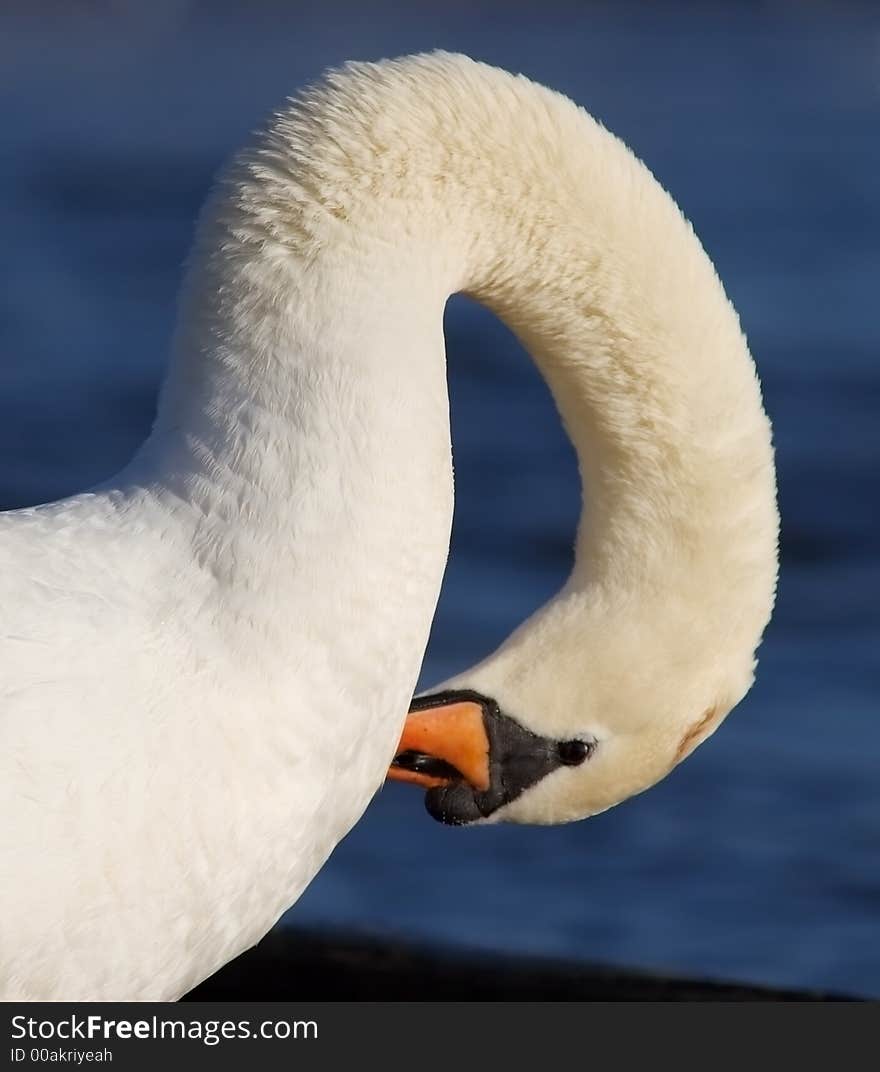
565	721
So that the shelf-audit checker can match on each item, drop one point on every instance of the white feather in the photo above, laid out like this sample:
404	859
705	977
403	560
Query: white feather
205	665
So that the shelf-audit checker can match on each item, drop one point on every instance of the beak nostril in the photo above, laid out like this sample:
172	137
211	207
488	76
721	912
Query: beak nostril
573	753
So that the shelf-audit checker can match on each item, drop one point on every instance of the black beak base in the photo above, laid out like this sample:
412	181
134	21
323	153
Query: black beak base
518	759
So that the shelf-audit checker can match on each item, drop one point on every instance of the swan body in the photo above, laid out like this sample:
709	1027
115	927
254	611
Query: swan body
205	664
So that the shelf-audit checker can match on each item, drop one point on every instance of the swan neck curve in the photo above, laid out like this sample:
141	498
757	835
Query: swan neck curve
389	187
311	327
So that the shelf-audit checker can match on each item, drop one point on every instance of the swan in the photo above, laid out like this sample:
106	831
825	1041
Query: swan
206	663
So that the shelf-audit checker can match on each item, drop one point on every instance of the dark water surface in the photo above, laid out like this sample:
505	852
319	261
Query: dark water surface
759	859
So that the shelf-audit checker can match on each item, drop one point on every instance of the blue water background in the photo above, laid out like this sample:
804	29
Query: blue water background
759	859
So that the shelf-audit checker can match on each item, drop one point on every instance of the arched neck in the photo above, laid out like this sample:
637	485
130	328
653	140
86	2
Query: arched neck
310	330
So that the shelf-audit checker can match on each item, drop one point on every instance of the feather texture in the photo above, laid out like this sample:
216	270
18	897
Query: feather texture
205	664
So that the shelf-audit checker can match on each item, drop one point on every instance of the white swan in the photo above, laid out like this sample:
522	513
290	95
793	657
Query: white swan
205	664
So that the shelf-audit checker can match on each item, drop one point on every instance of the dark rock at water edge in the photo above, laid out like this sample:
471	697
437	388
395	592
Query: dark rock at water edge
292	965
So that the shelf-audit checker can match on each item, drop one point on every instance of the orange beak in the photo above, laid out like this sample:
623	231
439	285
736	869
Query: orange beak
436	738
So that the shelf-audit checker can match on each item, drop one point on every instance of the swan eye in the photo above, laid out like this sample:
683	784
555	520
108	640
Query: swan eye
573	753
